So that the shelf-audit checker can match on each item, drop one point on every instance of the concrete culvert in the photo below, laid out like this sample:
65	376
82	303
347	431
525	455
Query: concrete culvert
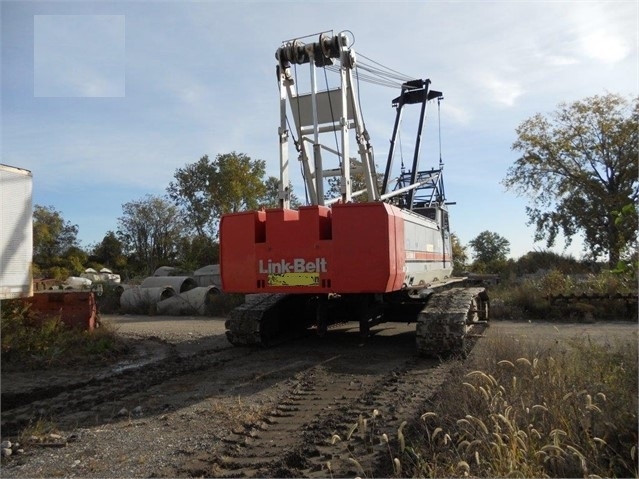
119	289
208	275
165	271
179	284
194	301
140	300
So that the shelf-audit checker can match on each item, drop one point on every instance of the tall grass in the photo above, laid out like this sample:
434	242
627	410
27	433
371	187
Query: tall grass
531	297
516	409
529	410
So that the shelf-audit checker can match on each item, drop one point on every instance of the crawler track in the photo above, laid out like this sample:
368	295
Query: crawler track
267	319
449	315
444	325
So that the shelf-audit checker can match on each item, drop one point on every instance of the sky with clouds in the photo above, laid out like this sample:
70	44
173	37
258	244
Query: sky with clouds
103	101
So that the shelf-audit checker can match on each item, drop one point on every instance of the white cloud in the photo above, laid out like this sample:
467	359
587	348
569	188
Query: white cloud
503	91
561	60
457	114
605	46
604	31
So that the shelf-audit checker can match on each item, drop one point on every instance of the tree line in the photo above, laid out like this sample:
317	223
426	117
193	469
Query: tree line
178	228
577	166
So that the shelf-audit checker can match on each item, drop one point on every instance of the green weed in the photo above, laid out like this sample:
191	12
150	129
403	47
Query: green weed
30	340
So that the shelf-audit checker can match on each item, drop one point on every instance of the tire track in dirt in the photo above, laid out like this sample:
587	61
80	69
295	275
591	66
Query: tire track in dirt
221	411
84	397
294	438
331	418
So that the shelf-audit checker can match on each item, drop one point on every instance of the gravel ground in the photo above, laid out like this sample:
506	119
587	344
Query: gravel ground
190	404
169	328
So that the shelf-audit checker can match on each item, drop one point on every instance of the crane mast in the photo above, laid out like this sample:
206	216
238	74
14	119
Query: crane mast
320	114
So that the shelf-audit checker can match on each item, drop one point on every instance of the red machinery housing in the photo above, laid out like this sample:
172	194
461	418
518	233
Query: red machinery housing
351	248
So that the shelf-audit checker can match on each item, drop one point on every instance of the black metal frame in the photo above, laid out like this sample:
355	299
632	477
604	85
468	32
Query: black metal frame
432	191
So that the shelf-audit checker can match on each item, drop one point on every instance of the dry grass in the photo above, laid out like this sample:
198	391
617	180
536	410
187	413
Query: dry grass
530	298
37	431
235	412
532	410
519	409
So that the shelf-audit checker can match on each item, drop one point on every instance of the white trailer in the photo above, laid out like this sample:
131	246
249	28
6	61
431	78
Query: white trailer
16	232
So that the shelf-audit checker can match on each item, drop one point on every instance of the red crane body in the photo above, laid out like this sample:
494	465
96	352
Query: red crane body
352	248
338	259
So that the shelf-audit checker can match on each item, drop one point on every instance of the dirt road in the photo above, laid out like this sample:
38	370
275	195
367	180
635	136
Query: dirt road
189	404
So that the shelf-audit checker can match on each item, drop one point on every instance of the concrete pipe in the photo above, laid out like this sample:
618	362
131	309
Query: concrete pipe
194	301
179	284
138	300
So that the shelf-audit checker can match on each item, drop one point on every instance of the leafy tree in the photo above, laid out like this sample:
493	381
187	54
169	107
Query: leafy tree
109	252
74	259
207	189
629	258
150	230
460	256
197	251
53	237
271	196
489	247
579	167
534	261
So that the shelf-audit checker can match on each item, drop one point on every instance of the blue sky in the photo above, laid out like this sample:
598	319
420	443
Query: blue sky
103	101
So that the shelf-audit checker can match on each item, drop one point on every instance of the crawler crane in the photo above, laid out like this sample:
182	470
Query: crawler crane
378	251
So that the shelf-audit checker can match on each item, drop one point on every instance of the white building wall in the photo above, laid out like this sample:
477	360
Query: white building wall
16	232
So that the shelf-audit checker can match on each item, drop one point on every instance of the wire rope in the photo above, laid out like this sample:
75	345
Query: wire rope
399	75
330	106
401	150
439	127
377	73
371	78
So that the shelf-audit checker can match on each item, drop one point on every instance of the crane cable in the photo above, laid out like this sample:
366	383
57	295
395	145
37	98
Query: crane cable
383	76
330	106
398	75
439	127
378	74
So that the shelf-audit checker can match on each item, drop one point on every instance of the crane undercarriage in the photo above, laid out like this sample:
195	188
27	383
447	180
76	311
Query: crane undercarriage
445	315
